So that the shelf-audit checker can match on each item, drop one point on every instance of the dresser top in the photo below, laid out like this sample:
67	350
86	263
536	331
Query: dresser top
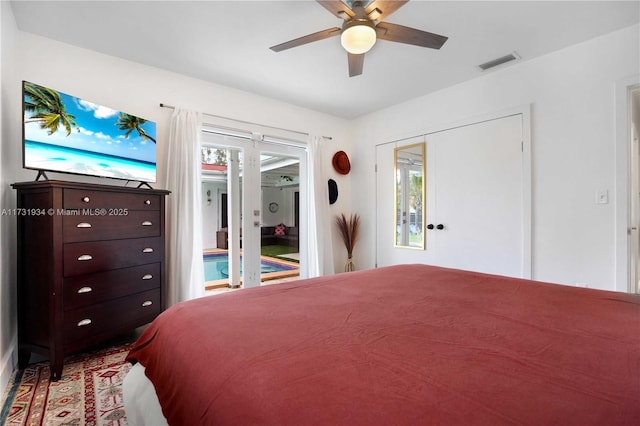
45	184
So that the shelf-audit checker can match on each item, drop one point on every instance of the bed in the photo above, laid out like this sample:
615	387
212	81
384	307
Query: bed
399	345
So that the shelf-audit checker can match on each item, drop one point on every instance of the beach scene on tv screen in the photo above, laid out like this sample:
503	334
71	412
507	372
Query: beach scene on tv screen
68	134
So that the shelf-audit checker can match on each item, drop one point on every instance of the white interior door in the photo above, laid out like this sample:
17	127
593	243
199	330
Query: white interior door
478	197
475	194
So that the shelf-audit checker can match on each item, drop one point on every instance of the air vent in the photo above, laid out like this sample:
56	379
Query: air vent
499	61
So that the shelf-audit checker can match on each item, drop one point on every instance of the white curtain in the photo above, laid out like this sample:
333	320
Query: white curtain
184	208
320	221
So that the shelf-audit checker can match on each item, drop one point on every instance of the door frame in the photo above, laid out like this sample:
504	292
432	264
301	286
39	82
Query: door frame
623	183
525	112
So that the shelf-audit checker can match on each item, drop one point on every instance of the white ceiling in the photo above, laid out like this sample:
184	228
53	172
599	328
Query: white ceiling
227	42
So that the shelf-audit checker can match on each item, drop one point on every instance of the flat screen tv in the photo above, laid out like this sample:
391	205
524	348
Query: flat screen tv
62	133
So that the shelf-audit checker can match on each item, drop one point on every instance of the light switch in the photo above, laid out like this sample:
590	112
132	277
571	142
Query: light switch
602	196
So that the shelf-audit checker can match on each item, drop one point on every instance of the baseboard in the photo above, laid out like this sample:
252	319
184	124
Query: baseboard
8	363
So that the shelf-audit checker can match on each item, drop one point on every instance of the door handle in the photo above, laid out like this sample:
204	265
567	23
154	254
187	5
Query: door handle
440	226
430	226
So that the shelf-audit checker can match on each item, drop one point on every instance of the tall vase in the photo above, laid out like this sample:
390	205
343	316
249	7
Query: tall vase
349	266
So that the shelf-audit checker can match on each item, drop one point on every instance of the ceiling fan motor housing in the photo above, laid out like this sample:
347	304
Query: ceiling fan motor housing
358	36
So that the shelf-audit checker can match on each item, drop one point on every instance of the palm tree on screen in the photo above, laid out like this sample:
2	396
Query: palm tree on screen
129	123
48	109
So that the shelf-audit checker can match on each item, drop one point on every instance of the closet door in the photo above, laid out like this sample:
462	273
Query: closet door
476	197
475	190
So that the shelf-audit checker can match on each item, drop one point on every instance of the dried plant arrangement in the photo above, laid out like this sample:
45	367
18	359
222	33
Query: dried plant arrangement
349	232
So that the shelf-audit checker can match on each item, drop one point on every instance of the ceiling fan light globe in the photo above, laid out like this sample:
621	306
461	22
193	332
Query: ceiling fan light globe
358	39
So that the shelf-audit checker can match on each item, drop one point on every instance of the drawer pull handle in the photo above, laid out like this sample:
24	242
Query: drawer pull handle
83	225
84	322
147	303
85	257
85	290
147	202
147	277
147	250
85	199
147	223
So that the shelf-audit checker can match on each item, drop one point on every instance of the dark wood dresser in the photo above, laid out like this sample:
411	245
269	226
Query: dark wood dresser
91	265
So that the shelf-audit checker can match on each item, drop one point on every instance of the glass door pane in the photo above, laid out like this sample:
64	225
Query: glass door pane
222	210
280	230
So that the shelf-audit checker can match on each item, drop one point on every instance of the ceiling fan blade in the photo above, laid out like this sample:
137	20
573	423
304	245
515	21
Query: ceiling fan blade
338	8
356	63
402	34
320	35
384	8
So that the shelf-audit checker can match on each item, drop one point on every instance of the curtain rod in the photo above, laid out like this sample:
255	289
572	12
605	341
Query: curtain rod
162	105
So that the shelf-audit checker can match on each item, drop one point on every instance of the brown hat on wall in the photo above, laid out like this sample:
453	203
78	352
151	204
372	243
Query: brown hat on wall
341	162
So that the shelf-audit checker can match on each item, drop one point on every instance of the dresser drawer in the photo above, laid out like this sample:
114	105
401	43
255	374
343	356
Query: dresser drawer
88	257
133	224
83	290
89	199
125	312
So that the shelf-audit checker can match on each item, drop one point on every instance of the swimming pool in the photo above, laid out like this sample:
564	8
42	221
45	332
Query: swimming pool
216	266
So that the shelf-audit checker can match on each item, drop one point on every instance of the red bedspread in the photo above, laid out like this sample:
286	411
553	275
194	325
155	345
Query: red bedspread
402	345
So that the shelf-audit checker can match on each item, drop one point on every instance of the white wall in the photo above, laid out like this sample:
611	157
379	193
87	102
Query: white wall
210	212
139	89
284	198
10	111
572	93
125	86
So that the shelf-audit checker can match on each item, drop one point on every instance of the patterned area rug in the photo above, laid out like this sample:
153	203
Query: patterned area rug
88	393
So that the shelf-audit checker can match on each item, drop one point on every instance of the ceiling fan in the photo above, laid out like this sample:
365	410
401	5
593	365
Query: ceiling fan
362	26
